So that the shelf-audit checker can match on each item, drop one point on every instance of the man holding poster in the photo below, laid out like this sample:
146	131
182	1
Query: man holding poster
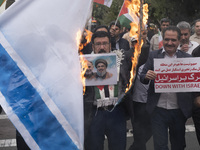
169	110
109	116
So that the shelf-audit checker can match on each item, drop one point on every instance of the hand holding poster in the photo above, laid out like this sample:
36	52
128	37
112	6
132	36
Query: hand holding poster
177	75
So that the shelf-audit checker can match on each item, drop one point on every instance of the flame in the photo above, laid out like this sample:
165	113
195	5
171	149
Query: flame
84	67
83	61
88	37
134	7
145	13
78	37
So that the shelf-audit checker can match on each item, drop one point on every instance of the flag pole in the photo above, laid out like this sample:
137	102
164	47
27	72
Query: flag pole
119	13
90	20
141	21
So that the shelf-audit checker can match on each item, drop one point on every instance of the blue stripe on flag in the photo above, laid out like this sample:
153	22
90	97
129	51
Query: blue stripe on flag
28	105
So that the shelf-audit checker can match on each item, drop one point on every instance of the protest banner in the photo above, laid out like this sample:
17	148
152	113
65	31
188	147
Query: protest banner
177	75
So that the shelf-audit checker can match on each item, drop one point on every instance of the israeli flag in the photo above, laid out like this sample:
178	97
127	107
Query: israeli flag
40	83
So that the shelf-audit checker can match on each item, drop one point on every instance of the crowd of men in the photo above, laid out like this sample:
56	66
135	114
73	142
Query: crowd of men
151	114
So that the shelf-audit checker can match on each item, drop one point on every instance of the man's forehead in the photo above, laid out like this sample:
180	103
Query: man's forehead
100	63
171	33
99	39
185	30
114	26
89	63
197	23
164	23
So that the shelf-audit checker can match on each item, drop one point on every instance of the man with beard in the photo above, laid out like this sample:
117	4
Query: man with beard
89	75
117	42
196	36
101	66
169	111
87	49
107	118
185	44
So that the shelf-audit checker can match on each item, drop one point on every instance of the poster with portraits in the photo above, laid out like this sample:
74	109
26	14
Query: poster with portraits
101	69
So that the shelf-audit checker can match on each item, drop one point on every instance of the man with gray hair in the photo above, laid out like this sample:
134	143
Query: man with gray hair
196	36
185	44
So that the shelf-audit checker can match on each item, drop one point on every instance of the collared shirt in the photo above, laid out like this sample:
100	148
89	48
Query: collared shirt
140	90
168	100
117	44
195	38
192	45
154	42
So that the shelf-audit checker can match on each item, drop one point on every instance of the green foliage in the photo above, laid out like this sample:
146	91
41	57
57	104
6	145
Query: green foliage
105	15
176	10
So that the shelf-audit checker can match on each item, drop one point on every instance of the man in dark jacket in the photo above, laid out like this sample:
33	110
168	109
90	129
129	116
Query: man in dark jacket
196	110
169	111
117	42
108	119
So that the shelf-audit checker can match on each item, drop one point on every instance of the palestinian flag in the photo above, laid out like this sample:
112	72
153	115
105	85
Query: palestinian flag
124	18
1	2
2	6
104	2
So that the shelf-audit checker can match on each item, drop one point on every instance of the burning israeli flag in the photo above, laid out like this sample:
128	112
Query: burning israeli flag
40	83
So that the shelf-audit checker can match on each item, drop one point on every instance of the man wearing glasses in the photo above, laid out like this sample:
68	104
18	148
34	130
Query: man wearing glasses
107	120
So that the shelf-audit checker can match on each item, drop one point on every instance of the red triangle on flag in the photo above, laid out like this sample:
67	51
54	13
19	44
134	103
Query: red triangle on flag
99	1
124	10
100	87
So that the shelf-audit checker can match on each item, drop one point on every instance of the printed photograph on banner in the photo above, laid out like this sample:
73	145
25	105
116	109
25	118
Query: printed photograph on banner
177	75
101	69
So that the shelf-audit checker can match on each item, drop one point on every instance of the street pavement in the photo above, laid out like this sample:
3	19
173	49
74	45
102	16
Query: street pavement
8	141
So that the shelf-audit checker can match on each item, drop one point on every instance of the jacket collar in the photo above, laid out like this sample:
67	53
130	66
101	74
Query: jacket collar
161	53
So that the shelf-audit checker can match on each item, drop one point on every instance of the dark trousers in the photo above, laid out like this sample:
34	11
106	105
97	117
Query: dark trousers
141	123
196	120
21	144
112	124
172	120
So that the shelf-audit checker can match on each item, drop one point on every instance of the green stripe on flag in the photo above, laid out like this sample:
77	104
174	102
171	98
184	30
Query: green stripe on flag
97	93
125	22
116	91
1	2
